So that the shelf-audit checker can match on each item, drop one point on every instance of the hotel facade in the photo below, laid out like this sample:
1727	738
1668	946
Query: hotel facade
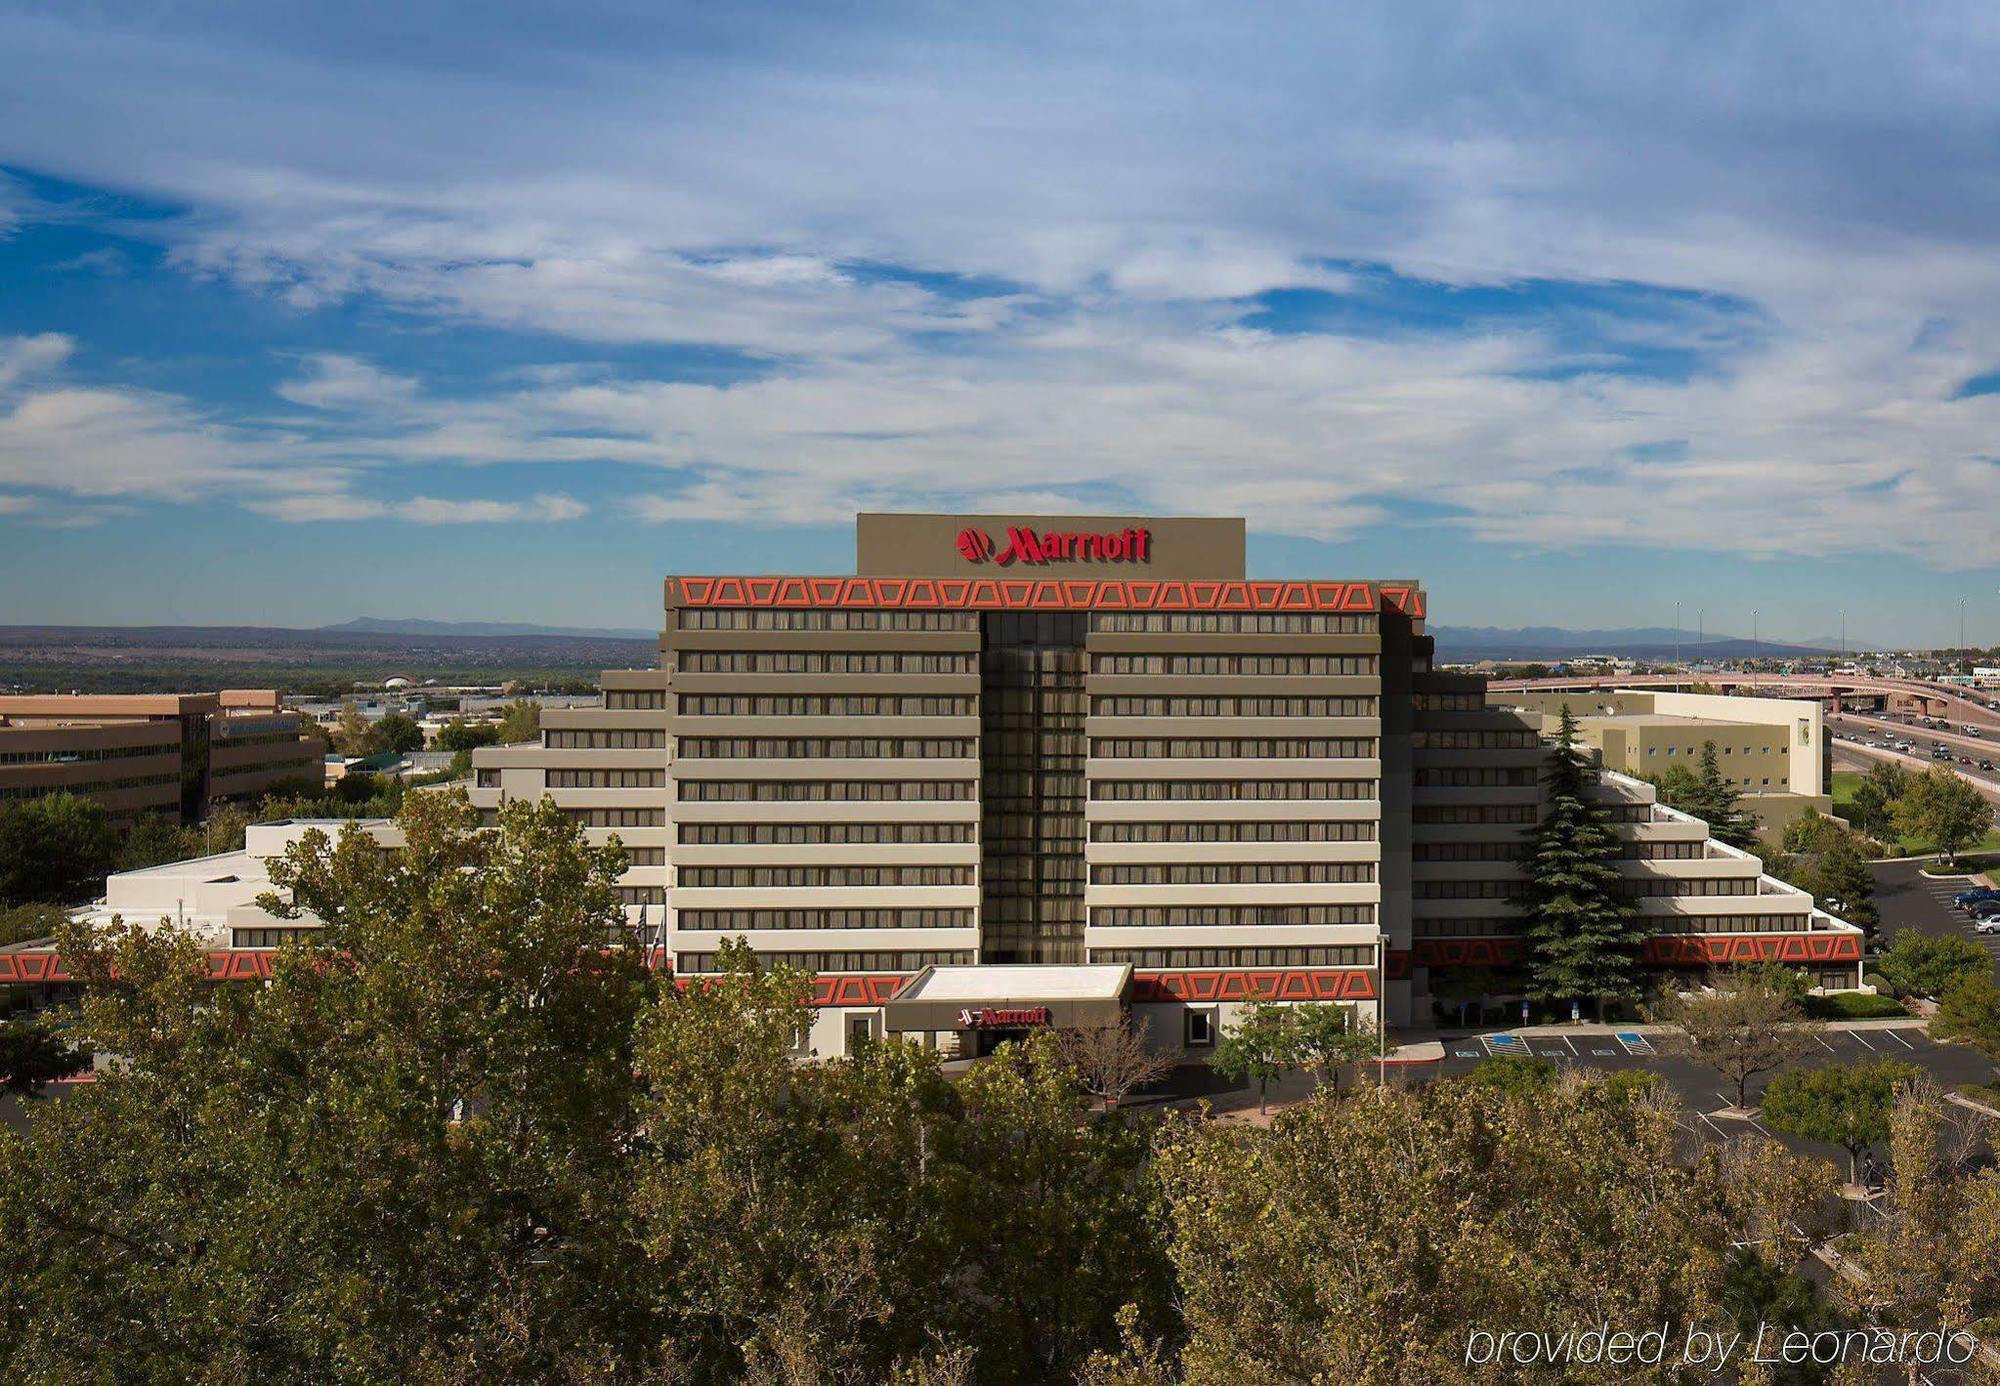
1017	769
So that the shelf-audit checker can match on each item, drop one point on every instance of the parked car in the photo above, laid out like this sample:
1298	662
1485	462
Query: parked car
1984	909
1975	895
1989	925
1985	765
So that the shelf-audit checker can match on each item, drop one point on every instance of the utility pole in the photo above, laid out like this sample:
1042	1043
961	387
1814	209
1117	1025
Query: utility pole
1677	637
1701	632
1756	646
1843	635
1961	623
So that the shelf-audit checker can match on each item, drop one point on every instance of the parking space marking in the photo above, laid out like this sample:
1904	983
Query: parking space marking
1824	1045
1504	1044
1720	1134
1856	1036
1899	1039
1634	1042
1604	1053
1468	1054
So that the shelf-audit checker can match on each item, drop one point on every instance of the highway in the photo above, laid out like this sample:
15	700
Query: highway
1960	707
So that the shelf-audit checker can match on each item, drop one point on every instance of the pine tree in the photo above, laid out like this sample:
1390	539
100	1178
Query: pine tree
1583	934
1716	805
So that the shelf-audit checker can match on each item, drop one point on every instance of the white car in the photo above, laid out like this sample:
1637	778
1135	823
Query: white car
1990	925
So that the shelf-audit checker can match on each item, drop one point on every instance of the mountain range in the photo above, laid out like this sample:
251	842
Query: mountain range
1467	644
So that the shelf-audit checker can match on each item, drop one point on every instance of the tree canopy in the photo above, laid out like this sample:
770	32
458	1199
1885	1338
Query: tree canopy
1941	807
56	847
1920	964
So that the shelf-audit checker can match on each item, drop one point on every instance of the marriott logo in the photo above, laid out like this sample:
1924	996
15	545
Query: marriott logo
1026	546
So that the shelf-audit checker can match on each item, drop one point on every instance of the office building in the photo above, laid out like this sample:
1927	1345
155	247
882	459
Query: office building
171	753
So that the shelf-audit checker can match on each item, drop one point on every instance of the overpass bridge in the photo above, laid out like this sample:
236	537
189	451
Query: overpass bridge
1836	690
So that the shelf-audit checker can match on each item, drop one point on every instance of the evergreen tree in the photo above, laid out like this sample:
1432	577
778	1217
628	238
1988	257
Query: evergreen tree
1716	805
1583	934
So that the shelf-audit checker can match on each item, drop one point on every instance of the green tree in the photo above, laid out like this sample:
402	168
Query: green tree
1742	1025
1919	964
1942	808
400	732
1583	935
1679	788
34	1052
1826	859
55	847
1258	1047
1847	1105
355	735
400	1160
1327	1036
459	735
1517	1074
1361	1241
151	839
1717	805
522	721
1969	1011
20	923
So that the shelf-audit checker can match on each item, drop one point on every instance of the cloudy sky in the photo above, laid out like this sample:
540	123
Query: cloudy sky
501	311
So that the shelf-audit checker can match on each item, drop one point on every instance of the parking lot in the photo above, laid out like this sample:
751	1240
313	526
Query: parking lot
1908	899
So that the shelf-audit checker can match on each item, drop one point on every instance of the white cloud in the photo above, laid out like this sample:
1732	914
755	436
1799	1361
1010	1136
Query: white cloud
1078	204
421	510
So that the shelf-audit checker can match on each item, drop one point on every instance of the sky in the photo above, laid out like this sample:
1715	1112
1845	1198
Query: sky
503	311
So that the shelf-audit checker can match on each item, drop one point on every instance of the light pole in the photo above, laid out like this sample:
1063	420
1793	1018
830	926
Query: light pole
1677	637
1843	635
1961	623
1756	646
1700	632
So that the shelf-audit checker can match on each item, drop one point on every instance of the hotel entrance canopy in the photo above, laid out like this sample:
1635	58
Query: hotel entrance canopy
1003	997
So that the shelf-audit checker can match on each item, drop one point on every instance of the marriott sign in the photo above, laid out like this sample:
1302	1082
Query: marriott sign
1027	546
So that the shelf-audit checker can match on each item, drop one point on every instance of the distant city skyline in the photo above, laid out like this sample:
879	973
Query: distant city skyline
314	313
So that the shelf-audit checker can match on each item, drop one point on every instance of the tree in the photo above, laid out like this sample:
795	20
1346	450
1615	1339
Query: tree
1259	1047
153	838
1679	788
1826	859
1969	1010
400	732
1942	808
1847	1105
1517	1074
19	923
1741	1026
354	735
1114	1060
1583	935
1327	1036
55	847
1919	964
1717	805
522	721
34	1053
459	735
1361	1241
400	1158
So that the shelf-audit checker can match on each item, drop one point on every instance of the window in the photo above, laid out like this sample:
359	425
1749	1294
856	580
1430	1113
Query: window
822	791
860	1032
1337	955
1233	623
1199	1032
744	834
1225	916
1233	665
765	618
1232	873
824	747
1128	705
819	662
1150	790
1240	748
606	779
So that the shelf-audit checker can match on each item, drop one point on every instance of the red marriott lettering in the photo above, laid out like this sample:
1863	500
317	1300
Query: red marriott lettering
1026	546
1002	1017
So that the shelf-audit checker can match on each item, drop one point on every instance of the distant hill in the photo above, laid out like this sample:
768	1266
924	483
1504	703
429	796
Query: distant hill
1468	644
404	625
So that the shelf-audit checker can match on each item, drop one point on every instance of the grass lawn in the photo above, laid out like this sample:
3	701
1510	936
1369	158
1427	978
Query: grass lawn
1844	782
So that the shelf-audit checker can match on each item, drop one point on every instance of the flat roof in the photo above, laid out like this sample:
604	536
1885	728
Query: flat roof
991	982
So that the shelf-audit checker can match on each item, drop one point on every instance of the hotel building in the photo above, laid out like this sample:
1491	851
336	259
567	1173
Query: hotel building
1017	769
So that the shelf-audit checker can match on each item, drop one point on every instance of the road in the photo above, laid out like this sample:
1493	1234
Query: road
1961	705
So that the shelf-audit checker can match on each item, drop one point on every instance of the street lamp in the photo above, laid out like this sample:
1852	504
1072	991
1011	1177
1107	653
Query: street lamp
1677	637
1756	646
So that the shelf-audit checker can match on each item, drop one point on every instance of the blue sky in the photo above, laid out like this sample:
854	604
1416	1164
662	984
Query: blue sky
501	312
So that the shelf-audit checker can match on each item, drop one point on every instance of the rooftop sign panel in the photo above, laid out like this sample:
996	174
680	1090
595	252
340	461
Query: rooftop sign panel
1060	545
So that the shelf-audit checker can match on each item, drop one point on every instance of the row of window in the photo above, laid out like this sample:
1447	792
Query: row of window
598	779
635	699
611	817
619	739
1639	888
826	747
1237	747
1173	790
1507	925
1461	814
1339	955
695	877
36	791
1226	916
1233	623
1511	851
267	938
1450	702
1475	776
645	856
869	960
1522	740
641	895
1233	873
1133	705
826	919
822	791
730	834
1286	665
702	618
820	662
825	705
1360	830
73	757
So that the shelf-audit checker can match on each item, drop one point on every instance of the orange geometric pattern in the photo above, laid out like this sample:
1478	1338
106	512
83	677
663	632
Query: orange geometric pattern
1041	594
1698	950
1278	984
871	990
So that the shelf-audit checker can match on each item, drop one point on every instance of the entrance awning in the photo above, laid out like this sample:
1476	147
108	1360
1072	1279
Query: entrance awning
1004	997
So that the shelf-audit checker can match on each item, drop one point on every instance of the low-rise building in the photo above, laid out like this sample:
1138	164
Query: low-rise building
153	753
